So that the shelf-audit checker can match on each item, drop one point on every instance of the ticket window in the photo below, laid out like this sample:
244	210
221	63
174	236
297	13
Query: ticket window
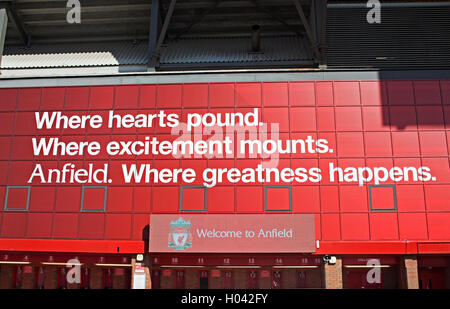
108	278
252	279
39	278
301	279
228	282
156	279
204	283
432	278
179	279
17	277
358	279
62	278
85	276
276	279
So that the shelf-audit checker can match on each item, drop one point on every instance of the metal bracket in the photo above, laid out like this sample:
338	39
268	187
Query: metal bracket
154	49
17	22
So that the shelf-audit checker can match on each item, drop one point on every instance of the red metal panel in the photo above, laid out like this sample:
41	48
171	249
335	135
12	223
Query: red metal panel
355	226
373	93
437	197
94	198
383	226
93	246
438	226
53	99
325	119
324	93
403	118
378	144
434	248
195	95
221	199
17	198
348	119
275	94
302	94
140	222
91	226
278	116
221	95
168	96
29	99
400	93
430	117
9	99
303	119
101	97
6	147
165	199
142	199
120	199
277	199
249	199
353	198
118	226
39	225
331	227
68	199
375	118
410	198
65	225
126	97
405	144
248	94
362	247
329	199
383	198
305	199
14	224
350	144
77	98
427	92
193	199
42	199
147	97
346	93
433	143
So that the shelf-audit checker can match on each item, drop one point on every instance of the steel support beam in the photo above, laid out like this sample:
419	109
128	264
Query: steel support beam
198	19
154	29
3	26
155	53
274	16
18	23
309	33
317	20
323	34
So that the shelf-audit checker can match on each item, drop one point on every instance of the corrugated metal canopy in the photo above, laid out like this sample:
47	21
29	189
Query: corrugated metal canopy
116	32
129	19
182	52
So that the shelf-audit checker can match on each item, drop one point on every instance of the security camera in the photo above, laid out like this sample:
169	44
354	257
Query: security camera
329	259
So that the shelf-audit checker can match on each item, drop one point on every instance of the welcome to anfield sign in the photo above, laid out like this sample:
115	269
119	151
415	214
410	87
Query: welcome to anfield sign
232	233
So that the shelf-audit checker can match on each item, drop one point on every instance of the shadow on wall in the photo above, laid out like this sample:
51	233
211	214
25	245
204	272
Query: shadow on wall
410	104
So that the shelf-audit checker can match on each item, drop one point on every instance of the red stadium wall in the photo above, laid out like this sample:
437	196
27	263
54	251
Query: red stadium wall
367	123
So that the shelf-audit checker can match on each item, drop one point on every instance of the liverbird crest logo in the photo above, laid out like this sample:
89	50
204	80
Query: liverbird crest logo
180	237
